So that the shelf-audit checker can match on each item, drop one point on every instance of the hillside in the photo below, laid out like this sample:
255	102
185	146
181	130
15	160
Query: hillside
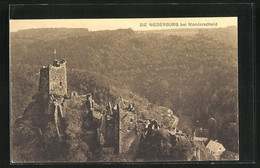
195	76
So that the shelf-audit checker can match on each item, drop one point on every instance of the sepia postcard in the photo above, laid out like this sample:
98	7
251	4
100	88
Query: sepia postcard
124	90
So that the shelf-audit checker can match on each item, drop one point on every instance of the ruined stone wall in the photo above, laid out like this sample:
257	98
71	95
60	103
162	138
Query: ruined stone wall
127	130
117	129
58	80
110	129
110	134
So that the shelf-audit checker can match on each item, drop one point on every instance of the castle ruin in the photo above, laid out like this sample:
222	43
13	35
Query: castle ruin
53	90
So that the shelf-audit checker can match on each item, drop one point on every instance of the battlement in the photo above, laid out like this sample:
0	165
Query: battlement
53	79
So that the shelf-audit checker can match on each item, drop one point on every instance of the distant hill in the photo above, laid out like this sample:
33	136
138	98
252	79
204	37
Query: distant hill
178	32
47	33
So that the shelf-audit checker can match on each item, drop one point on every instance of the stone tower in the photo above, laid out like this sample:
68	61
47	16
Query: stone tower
53	79
111	132
53	88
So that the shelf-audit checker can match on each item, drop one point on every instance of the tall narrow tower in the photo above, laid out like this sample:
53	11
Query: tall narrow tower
53	79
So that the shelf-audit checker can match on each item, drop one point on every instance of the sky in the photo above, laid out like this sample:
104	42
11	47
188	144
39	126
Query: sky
113	24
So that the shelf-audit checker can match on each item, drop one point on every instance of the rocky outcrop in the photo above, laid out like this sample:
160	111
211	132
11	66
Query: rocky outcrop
36	138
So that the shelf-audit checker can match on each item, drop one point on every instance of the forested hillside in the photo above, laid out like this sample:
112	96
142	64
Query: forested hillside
194	75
